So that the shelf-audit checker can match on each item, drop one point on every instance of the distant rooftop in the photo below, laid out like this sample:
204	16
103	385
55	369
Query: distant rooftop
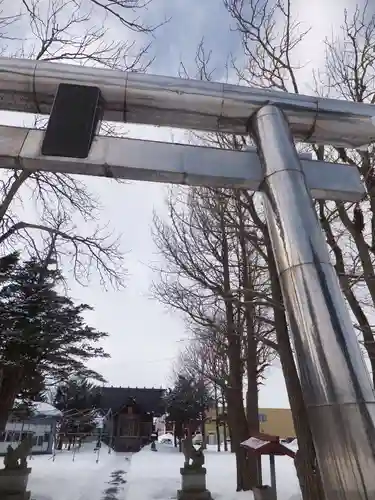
115	398
42	409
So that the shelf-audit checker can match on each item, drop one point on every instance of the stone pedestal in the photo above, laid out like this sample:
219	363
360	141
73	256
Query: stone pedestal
264	493
193	485
13	484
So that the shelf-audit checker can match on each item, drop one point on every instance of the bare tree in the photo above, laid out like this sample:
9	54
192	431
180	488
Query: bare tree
125	12
210	258
207	349
202	358
350	229
269	36
34	205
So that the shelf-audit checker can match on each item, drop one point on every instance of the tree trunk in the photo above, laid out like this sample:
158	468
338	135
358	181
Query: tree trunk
251	346
60	443
252	401
306	467
252	405
217	424
178	433
225	424
246	469
11	377
228	436
203	425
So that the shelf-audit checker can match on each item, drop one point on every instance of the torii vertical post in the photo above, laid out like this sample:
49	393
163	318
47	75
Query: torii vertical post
336	385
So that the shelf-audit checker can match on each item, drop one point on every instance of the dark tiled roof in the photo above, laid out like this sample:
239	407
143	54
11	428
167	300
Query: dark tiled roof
115	398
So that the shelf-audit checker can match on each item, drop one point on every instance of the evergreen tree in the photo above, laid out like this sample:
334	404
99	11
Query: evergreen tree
6	265
77	393
43	334
76	399
186	404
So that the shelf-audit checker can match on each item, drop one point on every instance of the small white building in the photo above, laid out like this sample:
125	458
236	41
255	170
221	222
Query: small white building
42	424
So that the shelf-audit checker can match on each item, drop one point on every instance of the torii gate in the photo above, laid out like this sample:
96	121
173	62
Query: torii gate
336	385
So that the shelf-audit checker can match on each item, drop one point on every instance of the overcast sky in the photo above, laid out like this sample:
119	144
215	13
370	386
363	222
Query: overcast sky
144	337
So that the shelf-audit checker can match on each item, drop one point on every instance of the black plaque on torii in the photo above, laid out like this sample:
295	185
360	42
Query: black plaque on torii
75	117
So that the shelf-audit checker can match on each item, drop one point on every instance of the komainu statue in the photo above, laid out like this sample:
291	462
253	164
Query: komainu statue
16	458
192	454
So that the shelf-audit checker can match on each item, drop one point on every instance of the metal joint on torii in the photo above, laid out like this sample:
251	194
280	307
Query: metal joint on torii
336	386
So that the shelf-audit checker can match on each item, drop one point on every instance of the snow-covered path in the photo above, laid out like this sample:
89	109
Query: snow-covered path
83	479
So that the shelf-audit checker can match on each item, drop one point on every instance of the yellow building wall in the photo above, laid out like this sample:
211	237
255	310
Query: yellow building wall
210	427
274	421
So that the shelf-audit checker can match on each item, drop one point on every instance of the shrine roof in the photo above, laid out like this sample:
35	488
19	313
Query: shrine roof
150	400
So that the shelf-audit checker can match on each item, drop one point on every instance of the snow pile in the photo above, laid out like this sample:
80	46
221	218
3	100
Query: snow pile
45	409
293	444
166	437
156	475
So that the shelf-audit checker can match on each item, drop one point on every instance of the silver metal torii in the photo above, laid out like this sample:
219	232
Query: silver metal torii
336	385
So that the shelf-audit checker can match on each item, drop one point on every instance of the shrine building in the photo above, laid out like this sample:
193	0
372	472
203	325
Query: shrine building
130	415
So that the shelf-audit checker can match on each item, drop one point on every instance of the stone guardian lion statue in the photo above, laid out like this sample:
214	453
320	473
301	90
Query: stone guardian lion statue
192	454
16	458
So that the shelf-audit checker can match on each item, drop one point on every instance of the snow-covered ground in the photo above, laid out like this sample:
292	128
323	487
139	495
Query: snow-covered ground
145	476
156	475
83	479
